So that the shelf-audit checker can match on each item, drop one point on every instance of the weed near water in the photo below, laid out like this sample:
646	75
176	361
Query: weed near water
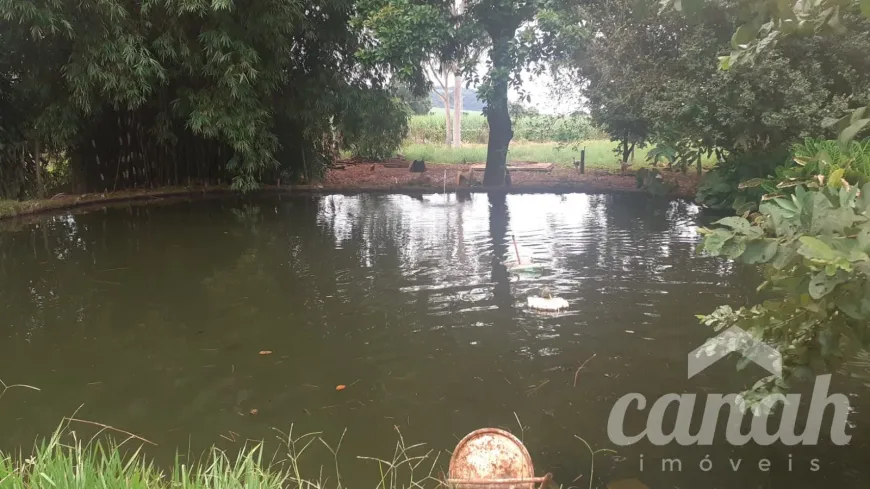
65	461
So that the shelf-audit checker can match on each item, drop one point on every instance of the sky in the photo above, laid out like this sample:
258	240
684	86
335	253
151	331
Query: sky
542	97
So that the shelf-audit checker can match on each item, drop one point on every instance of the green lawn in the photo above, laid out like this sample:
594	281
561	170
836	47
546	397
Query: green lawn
599	154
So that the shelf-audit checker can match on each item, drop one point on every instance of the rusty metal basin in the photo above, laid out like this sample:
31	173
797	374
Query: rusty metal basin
491	458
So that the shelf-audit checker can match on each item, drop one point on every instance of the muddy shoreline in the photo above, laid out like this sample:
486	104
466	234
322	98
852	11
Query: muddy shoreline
355	180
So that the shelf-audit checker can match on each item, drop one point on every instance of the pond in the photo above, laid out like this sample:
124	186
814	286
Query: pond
152	319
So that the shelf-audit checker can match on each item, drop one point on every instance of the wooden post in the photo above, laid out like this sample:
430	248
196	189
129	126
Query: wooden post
40	189
583	160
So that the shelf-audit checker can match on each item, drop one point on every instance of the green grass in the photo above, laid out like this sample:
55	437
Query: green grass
65	461
599	153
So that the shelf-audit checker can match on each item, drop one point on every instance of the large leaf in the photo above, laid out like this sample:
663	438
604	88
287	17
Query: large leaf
740	225
865	7
822	284
714	241
760	251
816	249
744	35
850	132
784	256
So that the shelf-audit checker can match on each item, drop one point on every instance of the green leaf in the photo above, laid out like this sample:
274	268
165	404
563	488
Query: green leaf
724	62
734	248
760	251
744	35
784	256
865	7
838	124
751	183
824	159
816	249
787	204
850	132
738	224
714	241
822	284
834	179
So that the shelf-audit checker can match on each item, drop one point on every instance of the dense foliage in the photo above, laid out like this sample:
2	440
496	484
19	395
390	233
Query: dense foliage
652	76
814	243
141	93
814	246
517	35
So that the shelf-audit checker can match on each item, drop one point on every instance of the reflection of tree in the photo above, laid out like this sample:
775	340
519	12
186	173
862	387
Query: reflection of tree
498	226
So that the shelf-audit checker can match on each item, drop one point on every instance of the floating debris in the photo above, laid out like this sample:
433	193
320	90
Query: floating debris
546	301
266	352
253	412
340	387
548	304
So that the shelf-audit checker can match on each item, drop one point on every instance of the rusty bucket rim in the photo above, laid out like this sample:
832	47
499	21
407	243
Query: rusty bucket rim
494	431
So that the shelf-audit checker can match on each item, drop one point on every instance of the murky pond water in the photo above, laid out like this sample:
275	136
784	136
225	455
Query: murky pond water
151	319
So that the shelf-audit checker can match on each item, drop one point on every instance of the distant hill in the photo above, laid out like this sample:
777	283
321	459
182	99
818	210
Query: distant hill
470	102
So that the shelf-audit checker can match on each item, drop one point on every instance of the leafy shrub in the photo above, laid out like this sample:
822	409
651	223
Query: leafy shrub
651	180
724	187
815	248
823	157
377	127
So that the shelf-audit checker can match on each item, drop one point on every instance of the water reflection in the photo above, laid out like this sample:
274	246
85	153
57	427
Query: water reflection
152	318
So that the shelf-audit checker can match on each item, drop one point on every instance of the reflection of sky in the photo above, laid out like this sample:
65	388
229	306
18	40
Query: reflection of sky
443	245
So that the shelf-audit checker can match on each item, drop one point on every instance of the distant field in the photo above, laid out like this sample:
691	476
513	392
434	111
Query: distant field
430	129
599	153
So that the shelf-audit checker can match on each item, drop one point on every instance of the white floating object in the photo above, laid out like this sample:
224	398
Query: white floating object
547	303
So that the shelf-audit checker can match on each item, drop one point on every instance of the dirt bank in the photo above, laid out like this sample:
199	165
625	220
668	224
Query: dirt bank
367	177
361	178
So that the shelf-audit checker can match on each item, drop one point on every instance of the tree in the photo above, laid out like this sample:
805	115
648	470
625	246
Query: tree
418	104
650	77
150	93
764	24
516	34
517	111
442	75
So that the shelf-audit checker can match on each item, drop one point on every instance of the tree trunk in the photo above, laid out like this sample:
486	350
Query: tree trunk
40	188
500	129
458	10
699	163
457	109
447	119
